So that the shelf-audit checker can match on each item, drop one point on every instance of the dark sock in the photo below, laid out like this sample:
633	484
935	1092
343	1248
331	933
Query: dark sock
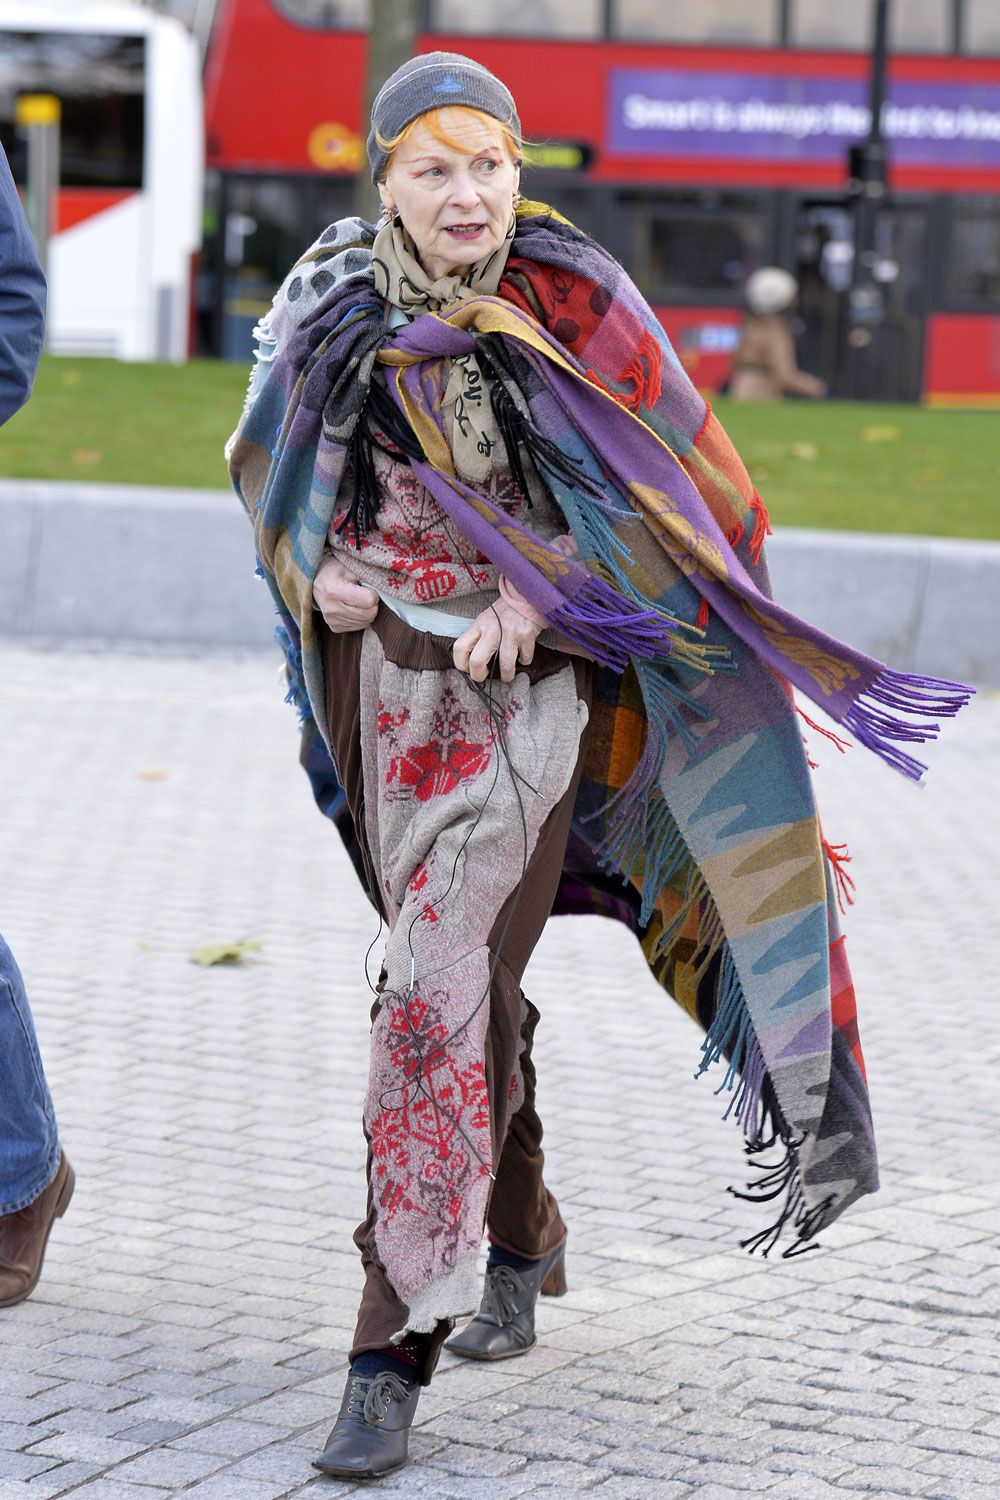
500	1257
405	1360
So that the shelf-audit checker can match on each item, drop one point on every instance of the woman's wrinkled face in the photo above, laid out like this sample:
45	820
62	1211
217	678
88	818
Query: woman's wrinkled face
455	204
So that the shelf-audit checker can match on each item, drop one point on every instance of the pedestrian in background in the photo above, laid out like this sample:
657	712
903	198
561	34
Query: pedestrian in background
519	569
36	1180
764	363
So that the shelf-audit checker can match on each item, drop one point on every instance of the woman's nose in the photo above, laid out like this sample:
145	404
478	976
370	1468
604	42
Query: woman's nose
464	193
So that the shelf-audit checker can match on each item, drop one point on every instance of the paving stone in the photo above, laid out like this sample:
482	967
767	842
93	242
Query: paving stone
873	1427
964	1490
289	1463
883	1479
653	1489
149	1431
959	1466
461	1458
225	1487
712	1491
112	1488
290	1410
808	1487
65	1478
87	1447
25	1465
573	1478
948	1440
167	1466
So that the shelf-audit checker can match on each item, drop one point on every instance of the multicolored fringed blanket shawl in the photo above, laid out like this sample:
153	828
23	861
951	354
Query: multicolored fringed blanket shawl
696	794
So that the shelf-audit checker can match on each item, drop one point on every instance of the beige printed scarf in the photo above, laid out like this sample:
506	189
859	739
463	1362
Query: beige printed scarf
402	280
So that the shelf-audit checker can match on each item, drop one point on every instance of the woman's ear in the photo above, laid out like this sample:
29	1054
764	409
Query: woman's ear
388	206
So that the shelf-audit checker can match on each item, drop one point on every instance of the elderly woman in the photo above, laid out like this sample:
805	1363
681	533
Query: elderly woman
527	619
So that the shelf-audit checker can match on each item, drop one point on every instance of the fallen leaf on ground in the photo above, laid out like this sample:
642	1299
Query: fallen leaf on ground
87	457
152	775
804	450
877	434
225	953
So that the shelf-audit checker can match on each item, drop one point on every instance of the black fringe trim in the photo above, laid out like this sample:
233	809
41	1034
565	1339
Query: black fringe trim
519	433
783	1179
379	414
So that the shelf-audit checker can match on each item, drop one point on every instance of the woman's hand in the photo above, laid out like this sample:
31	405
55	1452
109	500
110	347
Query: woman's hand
344	603
499	627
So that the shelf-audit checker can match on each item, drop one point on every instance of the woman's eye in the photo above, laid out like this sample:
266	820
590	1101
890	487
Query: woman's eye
488	165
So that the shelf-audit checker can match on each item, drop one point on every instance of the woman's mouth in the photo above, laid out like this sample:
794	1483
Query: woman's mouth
464	231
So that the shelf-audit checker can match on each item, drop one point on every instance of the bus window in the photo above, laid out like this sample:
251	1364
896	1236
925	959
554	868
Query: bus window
100	82
752	22
973	261
817	23
685	254
267	223
327	15
917	26
921	26
519	18
982	26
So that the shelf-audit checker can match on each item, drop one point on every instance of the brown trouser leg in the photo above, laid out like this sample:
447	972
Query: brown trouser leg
523	1215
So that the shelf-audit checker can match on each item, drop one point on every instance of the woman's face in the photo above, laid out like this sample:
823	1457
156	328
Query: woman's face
456	204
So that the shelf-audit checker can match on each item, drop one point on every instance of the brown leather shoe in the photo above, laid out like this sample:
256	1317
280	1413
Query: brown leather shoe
24	1235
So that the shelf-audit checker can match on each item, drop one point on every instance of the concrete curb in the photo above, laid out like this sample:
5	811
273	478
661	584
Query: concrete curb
126	564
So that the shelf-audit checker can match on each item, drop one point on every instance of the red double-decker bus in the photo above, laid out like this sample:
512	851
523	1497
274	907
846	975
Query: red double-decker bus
695	146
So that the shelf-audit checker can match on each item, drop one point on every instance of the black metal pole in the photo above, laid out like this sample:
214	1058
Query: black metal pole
867	167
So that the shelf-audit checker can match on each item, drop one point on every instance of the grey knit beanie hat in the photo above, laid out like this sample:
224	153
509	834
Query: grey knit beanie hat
431	81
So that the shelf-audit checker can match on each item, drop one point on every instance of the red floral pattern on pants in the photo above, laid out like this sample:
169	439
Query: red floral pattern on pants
431	1139
449	757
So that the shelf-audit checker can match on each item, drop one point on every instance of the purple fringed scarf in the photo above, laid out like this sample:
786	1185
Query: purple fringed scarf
884	709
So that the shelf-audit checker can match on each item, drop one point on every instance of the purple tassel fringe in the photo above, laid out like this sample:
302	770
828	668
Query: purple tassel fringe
883	732
599	620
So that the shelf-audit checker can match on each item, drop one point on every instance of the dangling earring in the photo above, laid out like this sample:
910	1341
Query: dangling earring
517	199
387	216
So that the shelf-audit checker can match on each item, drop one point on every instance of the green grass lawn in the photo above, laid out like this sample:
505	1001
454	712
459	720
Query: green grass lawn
97	419
837	464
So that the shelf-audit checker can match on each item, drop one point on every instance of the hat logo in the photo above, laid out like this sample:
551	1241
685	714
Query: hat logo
449	85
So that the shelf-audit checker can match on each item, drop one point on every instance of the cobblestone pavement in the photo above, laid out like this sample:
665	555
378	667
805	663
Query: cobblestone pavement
189	1330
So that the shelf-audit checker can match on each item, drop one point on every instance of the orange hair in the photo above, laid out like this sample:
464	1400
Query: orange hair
437	122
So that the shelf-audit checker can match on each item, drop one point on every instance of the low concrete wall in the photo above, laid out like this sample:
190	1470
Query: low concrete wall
129	564
926	604
132	565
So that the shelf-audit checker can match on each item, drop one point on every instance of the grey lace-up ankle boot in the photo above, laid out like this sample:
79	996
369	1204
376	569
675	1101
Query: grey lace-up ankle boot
504	1326
369	1436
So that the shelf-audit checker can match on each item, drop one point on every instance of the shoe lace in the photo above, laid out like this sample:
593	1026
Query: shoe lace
503	1285
370	1399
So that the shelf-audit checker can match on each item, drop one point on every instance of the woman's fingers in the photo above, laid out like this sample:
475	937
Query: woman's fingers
462	649
499	632
485	647
344	603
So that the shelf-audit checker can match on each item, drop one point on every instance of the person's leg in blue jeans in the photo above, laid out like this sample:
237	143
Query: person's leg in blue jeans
36	1181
